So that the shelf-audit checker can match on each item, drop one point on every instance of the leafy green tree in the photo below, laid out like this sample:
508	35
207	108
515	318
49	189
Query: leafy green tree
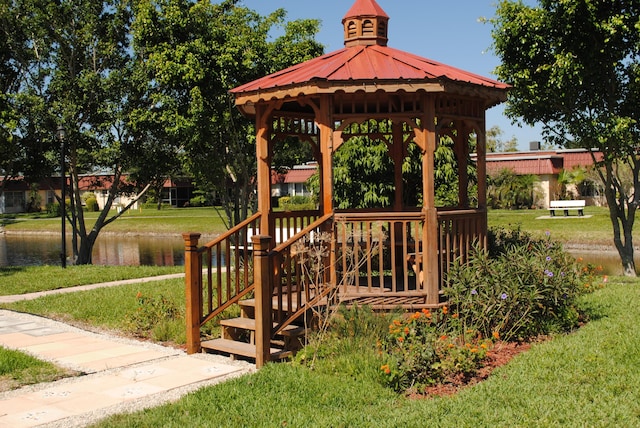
495	142
575	68
363	174
78	70
193	53
506	190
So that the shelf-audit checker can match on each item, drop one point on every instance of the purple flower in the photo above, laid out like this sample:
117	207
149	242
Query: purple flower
504	296
550	274
546	232
548	258
474	292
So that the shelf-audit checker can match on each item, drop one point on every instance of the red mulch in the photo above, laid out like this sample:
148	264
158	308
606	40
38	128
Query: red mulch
499	355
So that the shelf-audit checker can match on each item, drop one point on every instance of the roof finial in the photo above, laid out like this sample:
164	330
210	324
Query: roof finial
365	24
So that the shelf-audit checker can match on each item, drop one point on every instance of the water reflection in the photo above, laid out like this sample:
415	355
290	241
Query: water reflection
31	250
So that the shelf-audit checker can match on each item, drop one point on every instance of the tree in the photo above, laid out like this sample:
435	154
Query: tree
194	52
79	71
496	144
575	68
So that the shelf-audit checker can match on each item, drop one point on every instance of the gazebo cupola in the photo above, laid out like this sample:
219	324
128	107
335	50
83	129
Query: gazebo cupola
365	24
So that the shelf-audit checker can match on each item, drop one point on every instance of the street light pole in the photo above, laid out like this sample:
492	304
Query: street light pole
61	134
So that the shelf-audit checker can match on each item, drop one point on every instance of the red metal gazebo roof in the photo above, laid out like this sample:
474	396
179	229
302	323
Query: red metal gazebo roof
366	63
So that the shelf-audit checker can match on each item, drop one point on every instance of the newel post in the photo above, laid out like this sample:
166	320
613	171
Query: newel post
193	288
263	278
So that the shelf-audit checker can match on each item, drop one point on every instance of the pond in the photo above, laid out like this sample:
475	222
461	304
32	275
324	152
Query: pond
31	250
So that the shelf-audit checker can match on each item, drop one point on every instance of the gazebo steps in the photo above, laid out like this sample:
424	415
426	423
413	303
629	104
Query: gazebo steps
235	348
249	324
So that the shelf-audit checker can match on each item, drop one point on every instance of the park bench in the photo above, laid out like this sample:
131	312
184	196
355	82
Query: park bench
566	206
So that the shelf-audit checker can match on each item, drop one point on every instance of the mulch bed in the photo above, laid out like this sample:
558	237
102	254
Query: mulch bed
499	355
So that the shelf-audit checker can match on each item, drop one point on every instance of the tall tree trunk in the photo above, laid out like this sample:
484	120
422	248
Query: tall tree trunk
622	216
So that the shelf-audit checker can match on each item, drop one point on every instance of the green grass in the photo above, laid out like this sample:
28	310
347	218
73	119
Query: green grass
29	279
107	308
146	221
588	378
18	369
596	229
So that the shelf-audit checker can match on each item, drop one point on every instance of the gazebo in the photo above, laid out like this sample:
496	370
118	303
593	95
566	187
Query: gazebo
279	265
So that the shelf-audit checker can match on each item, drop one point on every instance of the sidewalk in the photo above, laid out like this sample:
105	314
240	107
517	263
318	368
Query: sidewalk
120	375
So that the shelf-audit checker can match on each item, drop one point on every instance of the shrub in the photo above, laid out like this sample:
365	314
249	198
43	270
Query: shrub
92	204
296	203
520	288
154	317
427	348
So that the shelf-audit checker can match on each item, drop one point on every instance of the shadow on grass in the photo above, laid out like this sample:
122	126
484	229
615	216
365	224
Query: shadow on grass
10	270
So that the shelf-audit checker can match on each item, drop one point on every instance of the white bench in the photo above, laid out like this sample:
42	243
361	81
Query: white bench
566	206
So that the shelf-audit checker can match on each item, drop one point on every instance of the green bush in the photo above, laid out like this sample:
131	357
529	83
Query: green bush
92	204
297	203
156	318
520	288
428	348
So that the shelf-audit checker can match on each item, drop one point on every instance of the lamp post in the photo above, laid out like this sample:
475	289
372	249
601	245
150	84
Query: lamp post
61	134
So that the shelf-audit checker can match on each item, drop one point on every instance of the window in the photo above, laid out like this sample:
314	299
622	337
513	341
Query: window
352	29
367	28
14	201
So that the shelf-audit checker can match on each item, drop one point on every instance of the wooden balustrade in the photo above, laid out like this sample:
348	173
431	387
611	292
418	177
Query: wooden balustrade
380	253
458	230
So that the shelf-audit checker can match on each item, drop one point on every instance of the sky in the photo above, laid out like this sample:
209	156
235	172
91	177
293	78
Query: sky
447	31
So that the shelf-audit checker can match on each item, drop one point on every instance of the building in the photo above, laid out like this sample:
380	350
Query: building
547	165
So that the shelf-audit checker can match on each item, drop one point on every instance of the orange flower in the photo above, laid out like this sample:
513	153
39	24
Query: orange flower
445	310
496	335
426	313
138	295
406	330
397	322
483	346
385	368
451	345
443	337
401	339
456	315
474	350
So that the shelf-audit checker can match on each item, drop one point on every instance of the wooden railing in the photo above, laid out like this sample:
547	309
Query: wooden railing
458	230
218	275
221	273
380	253
302	272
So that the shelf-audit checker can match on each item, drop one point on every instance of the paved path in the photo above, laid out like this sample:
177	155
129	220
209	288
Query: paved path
120	375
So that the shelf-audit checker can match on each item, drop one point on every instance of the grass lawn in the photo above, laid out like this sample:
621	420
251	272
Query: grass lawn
594	228
29	279
587	378
147	221
18	369
109	308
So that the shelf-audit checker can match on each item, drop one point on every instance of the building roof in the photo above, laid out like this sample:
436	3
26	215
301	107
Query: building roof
365	8
548	162
300	175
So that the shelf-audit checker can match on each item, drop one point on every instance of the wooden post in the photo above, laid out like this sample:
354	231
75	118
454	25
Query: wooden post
430	233
263	277
263	154
193	289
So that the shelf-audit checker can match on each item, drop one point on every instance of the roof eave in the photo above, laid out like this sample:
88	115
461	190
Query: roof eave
247	100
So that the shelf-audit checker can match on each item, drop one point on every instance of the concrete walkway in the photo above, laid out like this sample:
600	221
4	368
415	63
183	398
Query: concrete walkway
119	375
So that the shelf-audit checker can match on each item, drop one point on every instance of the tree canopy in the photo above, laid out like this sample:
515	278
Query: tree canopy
141	88
575	68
